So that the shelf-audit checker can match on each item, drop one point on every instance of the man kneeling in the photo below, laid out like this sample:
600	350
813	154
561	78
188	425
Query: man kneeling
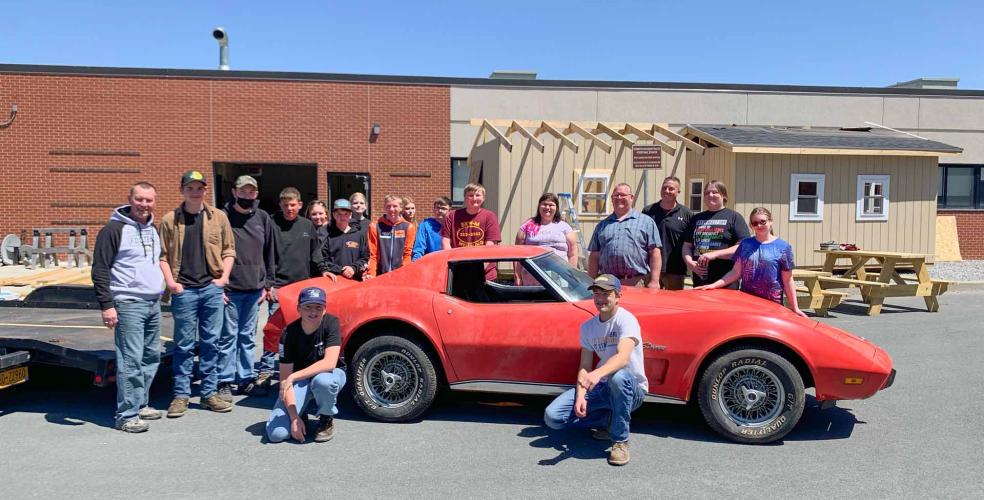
310	368
605	397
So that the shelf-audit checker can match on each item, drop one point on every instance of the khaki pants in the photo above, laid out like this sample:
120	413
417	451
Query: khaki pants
671	281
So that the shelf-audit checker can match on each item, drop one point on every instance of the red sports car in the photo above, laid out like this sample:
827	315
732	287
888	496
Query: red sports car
439	322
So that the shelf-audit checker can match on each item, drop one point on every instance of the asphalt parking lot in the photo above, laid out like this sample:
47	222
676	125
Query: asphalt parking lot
921	438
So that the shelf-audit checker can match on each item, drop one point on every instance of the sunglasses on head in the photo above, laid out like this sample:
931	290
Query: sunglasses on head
757	223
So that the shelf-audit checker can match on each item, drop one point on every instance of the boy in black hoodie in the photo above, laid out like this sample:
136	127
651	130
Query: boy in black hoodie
250	282
344	251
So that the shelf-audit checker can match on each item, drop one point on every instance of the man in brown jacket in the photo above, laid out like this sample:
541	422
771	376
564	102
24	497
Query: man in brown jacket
197	253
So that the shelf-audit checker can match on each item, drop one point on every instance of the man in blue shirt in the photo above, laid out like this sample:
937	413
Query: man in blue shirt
626	244
429	233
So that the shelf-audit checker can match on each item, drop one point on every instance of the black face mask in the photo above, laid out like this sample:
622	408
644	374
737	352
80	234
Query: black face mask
244	203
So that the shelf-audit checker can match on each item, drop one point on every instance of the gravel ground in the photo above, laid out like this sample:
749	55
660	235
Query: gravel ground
965	270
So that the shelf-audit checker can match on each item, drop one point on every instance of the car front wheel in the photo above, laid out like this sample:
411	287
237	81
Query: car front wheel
394	379
751	396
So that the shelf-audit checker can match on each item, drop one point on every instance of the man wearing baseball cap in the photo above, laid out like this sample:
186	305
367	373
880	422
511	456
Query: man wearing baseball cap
310	370
249	284
605	396
197	253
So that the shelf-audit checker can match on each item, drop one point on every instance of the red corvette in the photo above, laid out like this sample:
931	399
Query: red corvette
439	323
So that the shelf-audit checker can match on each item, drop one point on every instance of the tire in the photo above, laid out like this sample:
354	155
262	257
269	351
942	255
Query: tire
751	396
393	379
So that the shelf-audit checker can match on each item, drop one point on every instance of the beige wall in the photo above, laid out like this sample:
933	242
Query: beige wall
955	120
763	180
515	180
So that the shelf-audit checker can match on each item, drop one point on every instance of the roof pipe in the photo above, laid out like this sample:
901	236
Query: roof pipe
220	35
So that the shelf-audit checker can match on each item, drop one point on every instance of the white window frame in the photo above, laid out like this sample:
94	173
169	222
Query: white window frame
603	194
794	183
690	187
885	181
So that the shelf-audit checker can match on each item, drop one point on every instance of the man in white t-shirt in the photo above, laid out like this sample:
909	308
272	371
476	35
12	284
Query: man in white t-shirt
605	397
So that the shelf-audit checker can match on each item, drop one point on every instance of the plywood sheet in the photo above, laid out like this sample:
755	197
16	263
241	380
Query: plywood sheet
947	241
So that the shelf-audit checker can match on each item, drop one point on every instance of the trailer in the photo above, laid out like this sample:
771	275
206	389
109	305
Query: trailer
61	325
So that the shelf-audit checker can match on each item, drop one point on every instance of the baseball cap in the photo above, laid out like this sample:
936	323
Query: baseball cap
343	204
311	295
245	180
193	176
606	282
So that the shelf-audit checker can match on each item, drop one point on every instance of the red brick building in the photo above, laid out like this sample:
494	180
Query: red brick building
82	136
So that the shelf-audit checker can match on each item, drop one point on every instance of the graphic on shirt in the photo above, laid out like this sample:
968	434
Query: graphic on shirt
352	244
762	265
470	234
709	235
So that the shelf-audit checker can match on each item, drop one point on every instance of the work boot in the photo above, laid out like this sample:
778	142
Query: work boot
252	388
216	403
601	435
148	413
134	425
326	429
619	455
177	408
225	392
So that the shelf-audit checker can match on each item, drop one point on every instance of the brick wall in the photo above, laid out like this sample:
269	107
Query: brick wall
79	141
970	231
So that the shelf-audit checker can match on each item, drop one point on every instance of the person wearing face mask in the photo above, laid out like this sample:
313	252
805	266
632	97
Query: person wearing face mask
250	283
712	237
390	239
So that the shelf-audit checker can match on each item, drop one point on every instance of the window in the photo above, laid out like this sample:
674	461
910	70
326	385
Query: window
960	187
469	282
696	198
593	194
460	172
806	197
873	197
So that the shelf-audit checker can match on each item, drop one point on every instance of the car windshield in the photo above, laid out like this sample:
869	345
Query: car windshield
572	282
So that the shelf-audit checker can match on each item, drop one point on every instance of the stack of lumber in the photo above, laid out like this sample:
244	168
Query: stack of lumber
60	276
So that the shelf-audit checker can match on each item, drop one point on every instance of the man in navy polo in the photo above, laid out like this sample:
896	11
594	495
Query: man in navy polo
626	244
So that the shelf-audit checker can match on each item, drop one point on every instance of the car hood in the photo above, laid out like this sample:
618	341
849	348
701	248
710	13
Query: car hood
699	301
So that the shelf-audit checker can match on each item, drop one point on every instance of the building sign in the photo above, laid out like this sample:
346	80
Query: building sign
647	156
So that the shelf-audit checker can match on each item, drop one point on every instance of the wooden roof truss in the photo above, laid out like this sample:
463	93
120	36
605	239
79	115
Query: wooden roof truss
658	133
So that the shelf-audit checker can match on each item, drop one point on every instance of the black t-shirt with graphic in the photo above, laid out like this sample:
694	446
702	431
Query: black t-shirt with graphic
303	350
709	231
194	270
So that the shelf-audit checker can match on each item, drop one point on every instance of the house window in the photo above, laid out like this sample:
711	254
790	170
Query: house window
806	197
593	197
960	187
696	199
460	171
873	197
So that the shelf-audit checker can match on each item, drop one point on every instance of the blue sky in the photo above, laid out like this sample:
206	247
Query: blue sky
856	43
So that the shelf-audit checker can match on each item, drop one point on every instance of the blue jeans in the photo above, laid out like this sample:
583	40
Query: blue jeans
610	405
196	310
138	353
323	388
268	359
238	340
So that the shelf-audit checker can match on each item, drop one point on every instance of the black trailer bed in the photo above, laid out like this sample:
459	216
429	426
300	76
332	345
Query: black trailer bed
74	338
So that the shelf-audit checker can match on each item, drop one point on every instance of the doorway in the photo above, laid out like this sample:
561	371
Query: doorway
271	177
344	184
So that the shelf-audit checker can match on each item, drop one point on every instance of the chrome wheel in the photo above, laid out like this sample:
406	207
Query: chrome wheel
391	379
751	396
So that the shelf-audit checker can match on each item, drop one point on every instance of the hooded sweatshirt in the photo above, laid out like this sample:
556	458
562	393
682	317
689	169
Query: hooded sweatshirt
390	245
345	249
297	249
255	250
126	260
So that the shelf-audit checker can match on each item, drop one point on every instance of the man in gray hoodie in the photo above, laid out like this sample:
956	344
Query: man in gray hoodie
127	277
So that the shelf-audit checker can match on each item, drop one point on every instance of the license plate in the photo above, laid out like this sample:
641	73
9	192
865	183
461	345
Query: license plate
13	376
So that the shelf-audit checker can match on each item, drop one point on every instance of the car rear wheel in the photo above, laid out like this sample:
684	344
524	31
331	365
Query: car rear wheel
751	396
394	379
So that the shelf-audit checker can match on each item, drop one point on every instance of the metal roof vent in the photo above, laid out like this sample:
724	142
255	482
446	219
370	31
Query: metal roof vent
513	75
220	35
937	83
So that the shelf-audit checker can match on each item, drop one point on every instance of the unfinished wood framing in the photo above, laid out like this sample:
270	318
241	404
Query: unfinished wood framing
579	130
611	132
550	129
642	134
516	127
498	135
664	129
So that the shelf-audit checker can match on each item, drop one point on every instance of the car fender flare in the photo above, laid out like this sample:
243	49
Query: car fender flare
693	371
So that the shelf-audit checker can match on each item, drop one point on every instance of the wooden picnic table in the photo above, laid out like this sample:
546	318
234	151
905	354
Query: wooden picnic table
888	282
811	294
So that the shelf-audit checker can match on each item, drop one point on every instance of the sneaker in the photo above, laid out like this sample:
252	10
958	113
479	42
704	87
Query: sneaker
216	403
326	429
177	408
252	388
225	392
264	381
148	413
601	434
134	425
619	454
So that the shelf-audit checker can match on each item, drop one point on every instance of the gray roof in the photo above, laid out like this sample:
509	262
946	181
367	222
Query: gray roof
790	137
